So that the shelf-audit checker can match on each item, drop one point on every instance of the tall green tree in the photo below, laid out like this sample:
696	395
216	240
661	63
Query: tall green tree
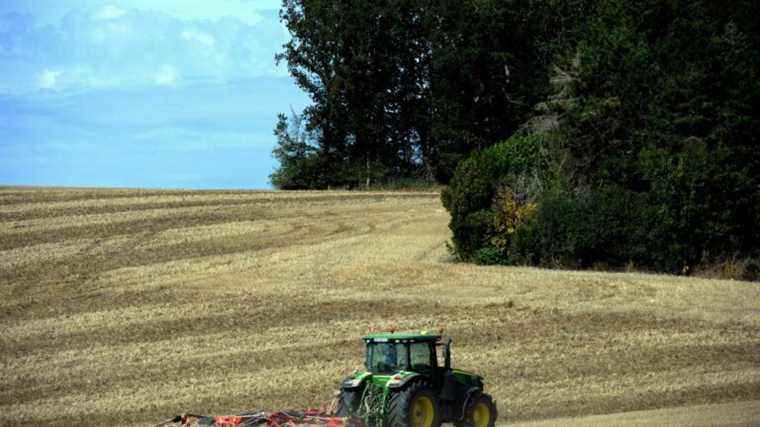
359	63
406	88
489	69
297	155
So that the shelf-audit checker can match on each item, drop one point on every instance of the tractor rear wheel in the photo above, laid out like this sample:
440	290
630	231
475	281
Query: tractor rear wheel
480	412
414	406
348	402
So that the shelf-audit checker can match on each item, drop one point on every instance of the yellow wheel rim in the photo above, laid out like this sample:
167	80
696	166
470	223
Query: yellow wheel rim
481	415
422	412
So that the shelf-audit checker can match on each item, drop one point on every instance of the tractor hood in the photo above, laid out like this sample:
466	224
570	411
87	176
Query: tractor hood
380	380
467	378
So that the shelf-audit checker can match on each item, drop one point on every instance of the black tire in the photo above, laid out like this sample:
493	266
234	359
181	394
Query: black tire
401	402
469	415
348	402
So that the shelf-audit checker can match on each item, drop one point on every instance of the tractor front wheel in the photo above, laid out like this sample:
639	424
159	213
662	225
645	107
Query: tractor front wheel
414	406
348	402
480	412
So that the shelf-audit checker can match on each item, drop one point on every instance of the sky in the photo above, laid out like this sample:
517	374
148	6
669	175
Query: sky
141	93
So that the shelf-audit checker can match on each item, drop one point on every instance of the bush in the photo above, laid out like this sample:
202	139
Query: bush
488	256
493	191
606	226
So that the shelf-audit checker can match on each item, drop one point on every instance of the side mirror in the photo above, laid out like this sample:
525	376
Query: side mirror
447	354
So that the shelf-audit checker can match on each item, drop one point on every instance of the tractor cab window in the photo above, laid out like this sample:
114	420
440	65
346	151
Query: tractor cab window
421	358
386	357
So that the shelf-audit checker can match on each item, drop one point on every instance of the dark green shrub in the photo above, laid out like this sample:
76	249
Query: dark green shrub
578	230
488	255
521	162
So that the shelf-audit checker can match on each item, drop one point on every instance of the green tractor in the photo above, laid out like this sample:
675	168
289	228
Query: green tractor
404	385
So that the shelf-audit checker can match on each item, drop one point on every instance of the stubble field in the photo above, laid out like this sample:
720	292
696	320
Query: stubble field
128	306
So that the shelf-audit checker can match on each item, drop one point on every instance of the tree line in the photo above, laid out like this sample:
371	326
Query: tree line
568	132
405	89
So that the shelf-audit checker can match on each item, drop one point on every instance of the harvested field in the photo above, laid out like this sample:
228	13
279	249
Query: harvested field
127	306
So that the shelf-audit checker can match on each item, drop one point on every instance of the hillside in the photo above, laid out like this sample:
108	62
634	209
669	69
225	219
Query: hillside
127	306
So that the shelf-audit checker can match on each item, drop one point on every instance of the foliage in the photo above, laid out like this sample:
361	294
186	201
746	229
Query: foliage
660	124
404	89
296	154
488	69
667	110
489	196
606	226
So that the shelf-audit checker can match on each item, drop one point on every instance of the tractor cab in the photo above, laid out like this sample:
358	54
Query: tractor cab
389	353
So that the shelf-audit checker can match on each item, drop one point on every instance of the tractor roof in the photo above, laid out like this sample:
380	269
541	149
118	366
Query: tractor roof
402	336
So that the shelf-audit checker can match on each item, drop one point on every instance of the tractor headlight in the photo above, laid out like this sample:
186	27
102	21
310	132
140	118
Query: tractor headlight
351	383
395	380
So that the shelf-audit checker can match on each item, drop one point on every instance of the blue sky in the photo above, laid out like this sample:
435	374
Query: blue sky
141	93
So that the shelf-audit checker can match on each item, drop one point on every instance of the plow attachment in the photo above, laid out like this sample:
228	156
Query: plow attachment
311	417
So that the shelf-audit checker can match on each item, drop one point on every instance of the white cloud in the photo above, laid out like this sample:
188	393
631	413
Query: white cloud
48	79
109	12
134	50
204	39
167	76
